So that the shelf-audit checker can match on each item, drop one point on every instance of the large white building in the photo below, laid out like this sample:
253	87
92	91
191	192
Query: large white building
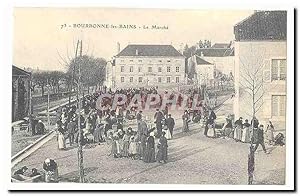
146	65
261	42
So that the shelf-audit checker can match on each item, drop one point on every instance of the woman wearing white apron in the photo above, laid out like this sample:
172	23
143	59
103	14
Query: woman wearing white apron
60	137
246	132
238	129
211	130
270	133
166	130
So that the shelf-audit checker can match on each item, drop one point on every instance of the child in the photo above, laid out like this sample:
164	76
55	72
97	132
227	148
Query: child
126	140
115	149
132	151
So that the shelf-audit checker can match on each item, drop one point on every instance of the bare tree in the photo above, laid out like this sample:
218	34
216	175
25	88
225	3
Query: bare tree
252	90
251	81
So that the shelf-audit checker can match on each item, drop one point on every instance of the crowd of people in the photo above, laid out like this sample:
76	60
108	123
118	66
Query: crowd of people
143	142
242	131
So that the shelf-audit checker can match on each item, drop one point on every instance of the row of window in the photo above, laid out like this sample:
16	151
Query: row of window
159	60
150	69
159	79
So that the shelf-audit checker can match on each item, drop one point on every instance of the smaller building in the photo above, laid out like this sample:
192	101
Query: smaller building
203	70
221	55
21	93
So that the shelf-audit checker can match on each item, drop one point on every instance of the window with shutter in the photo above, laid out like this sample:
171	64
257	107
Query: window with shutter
282	70
168	79
278	69
278	105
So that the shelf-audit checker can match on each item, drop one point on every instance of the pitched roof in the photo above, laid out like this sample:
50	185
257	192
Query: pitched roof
201	61
262	25
215	52
149	50
19	72
221	45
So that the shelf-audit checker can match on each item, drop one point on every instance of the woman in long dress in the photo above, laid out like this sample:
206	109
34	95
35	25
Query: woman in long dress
98	133
238	130
185	119
166	130
60	137
115	149
211	131
227	128
162	154
125	147
270	133
150	149
132	151
246	132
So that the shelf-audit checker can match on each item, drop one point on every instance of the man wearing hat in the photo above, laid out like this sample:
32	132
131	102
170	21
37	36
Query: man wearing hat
51	170
40	128
260	139
71	127
170	124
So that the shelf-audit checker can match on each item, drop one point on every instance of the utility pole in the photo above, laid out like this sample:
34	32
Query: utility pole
73	73
80	153
48	105
30	95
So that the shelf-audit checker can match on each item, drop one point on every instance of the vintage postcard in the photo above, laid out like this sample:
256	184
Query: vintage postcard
138	97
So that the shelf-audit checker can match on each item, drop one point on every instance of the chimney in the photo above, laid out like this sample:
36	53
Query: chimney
136	52
201	54
118	47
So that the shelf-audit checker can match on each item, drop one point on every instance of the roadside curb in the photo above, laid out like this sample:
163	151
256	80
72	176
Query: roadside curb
14	159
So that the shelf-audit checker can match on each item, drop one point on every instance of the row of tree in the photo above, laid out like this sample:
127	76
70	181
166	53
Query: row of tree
92	74
188	51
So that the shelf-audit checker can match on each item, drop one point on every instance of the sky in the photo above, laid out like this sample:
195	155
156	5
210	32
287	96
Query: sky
45	38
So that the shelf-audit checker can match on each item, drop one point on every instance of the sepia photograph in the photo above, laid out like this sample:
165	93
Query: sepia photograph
149	96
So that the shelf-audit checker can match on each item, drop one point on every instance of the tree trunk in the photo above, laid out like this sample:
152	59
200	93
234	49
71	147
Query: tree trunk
43	90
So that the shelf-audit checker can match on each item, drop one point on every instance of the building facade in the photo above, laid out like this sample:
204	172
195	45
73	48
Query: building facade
147	65
262	46
203	71
221	55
